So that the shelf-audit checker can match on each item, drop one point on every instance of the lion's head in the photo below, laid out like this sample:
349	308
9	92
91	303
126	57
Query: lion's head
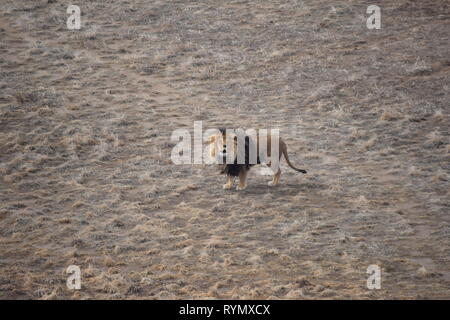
224	150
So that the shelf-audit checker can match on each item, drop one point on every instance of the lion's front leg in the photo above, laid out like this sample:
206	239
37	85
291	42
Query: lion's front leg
229	183
242	180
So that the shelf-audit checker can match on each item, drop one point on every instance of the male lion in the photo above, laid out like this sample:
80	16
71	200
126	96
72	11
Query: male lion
244	151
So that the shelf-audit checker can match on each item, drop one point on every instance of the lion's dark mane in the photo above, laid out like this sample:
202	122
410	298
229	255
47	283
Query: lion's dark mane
233	169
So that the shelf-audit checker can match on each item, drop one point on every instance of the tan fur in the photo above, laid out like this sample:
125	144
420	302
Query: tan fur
217	142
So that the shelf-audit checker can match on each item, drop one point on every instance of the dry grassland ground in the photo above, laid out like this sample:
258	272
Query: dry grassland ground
86	176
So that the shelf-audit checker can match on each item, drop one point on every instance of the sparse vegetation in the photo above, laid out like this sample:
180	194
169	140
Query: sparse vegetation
86	178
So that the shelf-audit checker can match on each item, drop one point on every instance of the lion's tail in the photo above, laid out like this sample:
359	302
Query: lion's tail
285	154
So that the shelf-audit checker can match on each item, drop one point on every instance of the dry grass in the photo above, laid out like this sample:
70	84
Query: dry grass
86	178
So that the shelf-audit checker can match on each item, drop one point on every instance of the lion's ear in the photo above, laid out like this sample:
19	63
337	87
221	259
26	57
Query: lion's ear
212	150
211	139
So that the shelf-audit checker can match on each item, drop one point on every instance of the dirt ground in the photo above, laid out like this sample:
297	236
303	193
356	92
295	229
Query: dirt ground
86	177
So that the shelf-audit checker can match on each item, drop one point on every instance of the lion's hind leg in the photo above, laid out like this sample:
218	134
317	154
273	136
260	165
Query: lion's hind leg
276	176
275	179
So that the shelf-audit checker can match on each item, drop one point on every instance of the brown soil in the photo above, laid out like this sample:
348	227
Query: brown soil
85	171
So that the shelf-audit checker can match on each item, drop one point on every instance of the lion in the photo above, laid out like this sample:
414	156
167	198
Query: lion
235	159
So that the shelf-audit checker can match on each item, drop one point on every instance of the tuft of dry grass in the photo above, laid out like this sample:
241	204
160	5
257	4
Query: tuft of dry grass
85	171
388	116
